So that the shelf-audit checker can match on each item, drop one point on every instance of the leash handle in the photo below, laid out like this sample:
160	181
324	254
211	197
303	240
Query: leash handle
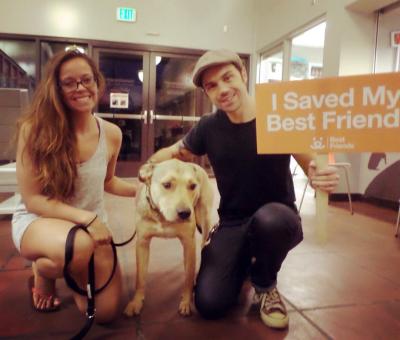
69	252
91	291
91	307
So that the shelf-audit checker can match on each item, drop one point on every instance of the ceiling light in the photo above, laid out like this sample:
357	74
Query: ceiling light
140	75
74	47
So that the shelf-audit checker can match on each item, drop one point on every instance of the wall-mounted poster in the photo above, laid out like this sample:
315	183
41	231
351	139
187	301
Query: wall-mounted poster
119	100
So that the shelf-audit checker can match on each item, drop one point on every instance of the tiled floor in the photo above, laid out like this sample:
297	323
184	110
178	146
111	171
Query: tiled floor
347	288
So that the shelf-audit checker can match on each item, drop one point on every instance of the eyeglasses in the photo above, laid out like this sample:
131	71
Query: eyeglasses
69	85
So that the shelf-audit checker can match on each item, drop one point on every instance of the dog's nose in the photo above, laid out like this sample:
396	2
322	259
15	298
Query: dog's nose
184	214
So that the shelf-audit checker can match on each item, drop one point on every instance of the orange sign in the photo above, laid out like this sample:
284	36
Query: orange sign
343	114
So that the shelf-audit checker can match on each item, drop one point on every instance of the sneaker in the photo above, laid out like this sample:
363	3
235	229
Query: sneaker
272	310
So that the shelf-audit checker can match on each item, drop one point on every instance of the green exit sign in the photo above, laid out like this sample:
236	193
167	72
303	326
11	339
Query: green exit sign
126	14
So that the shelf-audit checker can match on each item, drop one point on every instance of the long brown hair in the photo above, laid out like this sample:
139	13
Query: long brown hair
51	139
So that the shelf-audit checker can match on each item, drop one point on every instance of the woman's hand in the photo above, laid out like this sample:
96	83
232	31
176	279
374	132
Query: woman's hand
99	232
325	179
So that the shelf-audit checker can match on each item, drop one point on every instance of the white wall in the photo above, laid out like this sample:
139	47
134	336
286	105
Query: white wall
179	23
275	19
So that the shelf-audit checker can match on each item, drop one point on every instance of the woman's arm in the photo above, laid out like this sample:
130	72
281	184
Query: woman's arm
36	202
113	184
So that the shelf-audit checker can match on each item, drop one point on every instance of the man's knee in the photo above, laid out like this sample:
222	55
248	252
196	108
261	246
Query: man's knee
209	309
211	305
275	219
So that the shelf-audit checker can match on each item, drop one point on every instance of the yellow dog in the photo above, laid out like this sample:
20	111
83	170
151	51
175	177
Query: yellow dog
174	197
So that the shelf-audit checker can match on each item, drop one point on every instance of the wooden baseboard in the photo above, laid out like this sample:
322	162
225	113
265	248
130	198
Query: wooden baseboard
359	197
344	197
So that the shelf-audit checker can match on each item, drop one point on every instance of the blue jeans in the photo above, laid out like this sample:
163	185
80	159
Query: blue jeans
226	261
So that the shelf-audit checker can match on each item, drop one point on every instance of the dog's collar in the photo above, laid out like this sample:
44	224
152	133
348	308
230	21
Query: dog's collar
150	200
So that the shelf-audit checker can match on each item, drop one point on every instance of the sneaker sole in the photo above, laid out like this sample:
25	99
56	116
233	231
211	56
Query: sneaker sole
275	323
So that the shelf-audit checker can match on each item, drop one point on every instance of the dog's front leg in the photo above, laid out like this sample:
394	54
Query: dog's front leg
189	255
142	262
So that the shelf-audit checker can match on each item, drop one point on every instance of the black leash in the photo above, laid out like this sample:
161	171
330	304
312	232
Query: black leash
91	291
124	242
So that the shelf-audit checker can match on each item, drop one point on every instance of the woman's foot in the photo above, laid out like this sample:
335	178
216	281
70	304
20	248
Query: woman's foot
43	293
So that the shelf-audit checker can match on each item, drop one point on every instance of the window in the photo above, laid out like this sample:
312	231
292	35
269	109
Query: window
296	57
307	53
271	66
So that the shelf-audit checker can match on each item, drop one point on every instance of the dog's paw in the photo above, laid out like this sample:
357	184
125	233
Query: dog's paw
184	308
134	307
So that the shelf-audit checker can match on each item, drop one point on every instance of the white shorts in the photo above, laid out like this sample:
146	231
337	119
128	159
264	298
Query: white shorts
21	220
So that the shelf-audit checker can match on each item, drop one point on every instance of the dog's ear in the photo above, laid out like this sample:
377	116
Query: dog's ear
145	172
204	204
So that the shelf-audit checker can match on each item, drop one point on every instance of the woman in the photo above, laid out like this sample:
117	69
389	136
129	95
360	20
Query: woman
66	158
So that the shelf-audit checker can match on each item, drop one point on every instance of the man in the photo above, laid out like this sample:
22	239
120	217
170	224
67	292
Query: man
259	222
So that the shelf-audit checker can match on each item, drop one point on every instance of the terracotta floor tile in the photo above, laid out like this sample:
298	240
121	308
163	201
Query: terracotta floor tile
249	327
313	280
347	288
362	322
7	251
7	248
5	225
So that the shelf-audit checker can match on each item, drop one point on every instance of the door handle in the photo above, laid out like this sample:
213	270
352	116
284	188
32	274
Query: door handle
144	117
152	116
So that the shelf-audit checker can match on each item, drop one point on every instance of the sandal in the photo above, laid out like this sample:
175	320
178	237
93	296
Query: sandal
41	296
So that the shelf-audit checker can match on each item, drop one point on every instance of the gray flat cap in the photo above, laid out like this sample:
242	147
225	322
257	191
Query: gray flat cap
213	58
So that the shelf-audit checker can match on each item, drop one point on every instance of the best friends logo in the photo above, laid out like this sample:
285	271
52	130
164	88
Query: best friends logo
359	113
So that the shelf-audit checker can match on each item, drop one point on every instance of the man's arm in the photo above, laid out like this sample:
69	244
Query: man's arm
325	179
177	150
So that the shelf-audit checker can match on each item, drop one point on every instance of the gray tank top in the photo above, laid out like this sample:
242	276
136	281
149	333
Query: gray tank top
89	185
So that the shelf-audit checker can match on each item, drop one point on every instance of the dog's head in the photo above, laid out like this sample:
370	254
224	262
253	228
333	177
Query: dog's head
174	188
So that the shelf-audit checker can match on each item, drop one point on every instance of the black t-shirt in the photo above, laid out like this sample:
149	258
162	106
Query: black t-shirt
245	180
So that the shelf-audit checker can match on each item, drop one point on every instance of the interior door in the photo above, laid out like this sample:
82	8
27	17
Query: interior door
150	96
174	101
125	102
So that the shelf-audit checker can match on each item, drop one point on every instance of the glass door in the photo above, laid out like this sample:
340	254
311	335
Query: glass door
174	100
150	96
124	102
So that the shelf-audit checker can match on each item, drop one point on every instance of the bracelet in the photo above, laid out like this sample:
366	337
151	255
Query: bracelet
88	224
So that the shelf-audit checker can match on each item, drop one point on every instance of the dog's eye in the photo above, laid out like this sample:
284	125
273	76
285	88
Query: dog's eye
192	186
167	185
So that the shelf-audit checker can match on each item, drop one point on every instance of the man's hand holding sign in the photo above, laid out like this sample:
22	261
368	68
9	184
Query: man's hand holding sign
346	114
